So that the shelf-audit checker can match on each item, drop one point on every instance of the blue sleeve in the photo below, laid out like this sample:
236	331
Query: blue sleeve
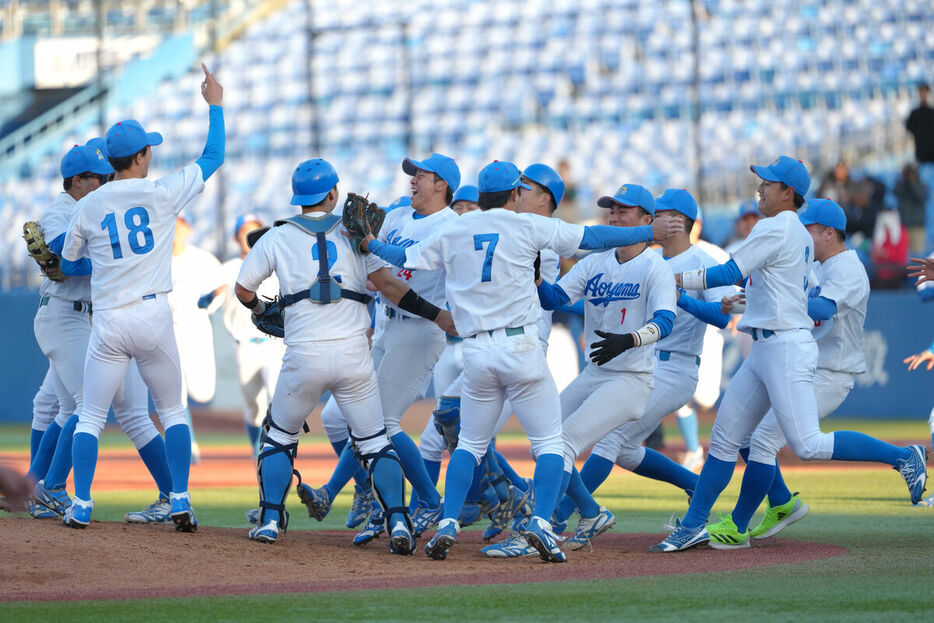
552	296
213	155
393	254
577	308
820	308
723	275
607	237
73	269
664	319
926	295
708	311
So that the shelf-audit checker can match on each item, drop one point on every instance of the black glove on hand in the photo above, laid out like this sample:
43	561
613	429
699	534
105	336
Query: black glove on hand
610	346
537	265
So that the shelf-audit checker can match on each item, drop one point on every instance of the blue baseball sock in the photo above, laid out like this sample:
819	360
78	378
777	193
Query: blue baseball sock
687	425
713	479
346	468
178	453
84	451
360	475
744	452
550	481
276	470
40	464
578	492
434	470
565	509
757	480
479	483
457	481
498	479
339	446
414	469
852	446
509	472
595	471
157	462
657	466
779	493
252	432
35	438
390	482
60	465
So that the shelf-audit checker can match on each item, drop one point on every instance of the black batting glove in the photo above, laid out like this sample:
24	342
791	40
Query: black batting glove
537	265
612	345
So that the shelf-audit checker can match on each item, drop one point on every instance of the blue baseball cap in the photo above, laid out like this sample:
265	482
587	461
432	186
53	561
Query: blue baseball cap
467	192
824	212
499	176
630	195
401	202
546	176
99	148
243	219
440	164
750	206
85	159
787	170
125	138
312	180
679	200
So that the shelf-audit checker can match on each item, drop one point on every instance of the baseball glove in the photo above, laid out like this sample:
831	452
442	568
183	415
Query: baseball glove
48	262
361	218
270	321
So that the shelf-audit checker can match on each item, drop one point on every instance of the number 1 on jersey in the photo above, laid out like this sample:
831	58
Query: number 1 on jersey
478	240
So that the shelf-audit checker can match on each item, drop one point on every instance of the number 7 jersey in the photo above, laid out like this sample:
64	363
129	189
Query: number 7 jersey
126	228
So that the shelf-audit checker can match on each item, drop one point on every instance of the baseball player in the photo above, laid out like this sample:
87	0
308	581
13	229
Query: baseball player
925	286
465	199
326	347
775	261
194	272
259	357
675	376
488	258
127	228
410	347
837	305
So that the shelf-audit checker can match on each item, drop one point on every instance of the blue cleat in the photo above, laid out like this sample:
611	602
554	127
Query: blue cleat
538	534
426	517
157	512
317	501
443	540
56	500
682	538
401	541
182	513
914	471
375	525
78	515
360	507
590	528
268	533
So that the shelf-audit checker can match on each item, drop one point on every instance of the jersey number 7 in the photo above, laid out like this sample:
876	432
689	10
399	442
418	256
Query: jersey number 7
134	229
478	241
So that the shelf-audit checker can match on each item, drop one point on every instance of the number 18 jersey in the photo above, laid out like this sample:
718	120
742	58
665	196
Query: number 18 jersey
127	227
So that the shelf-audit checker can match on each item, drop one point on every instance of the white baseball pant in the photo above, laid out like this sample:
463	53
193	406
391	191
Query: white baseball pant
63	334
335	426
195	339
141	330
346	369
447	381
675	383
710	373
45	403
779	373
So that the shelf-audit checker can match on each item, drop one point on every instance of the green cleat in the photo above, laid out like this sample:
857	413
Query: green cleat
777	518
724	535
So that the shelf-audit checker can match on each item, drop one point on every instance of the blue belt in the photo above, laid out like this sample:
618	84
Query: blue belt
510	331
665	355
149	297
78	306
765	334
453	339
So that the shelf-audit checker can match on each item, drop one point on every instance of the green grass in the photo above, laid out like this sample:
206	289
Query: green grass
887	575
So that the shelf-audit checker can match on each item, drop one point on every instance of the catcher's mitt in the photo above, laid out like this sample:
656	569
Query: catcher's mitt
361	218
48	262
270	321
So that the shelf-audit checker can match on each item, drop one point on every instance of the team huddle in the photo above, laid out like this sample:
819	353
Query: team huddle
463	280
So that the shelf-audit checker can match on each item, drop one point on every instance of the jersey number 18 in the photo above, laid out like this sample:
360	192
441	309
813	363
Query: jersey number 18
134	230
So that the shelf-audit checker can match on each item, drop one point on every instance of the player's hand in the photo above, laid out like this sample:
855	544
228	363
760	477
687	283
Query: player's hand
678	281
206	299
666	226
612	345
915	361
211	89
15	488
733	304
446	322
921	268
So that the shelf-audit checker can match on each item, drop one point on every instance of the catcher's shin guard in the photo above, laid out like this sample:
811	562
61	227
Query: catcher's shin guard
378	483
291	451
448	419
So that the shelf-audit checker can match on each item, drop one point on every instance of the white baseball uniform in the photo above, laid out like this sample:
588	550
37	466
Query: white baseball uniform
675	376
619	297
259	356
779	372
843	280
326	345
45	403
194	272
710	371
127	227
487	257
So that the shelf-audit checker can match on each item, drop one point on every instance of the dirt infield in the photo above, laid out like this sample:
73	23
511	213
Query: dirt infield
47	562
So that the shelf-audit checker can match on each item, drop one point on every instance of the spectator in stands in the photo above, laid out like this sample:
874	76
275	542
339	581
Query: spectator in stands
912	193
868	200
889	253
921	125
569	203
839	186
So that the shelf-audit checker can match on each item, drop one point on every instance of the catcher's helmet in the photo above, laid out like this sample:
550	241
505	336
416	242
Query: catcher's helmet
547	177
312	180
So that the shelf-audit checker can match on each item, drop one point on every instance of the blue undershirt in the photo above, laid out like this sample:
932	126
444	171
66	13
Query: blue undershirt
213	155
79	268
821	308
707	311
723	275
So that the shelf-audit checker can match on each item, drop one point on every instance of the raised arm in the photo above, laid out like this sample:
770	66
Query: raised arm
213	155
